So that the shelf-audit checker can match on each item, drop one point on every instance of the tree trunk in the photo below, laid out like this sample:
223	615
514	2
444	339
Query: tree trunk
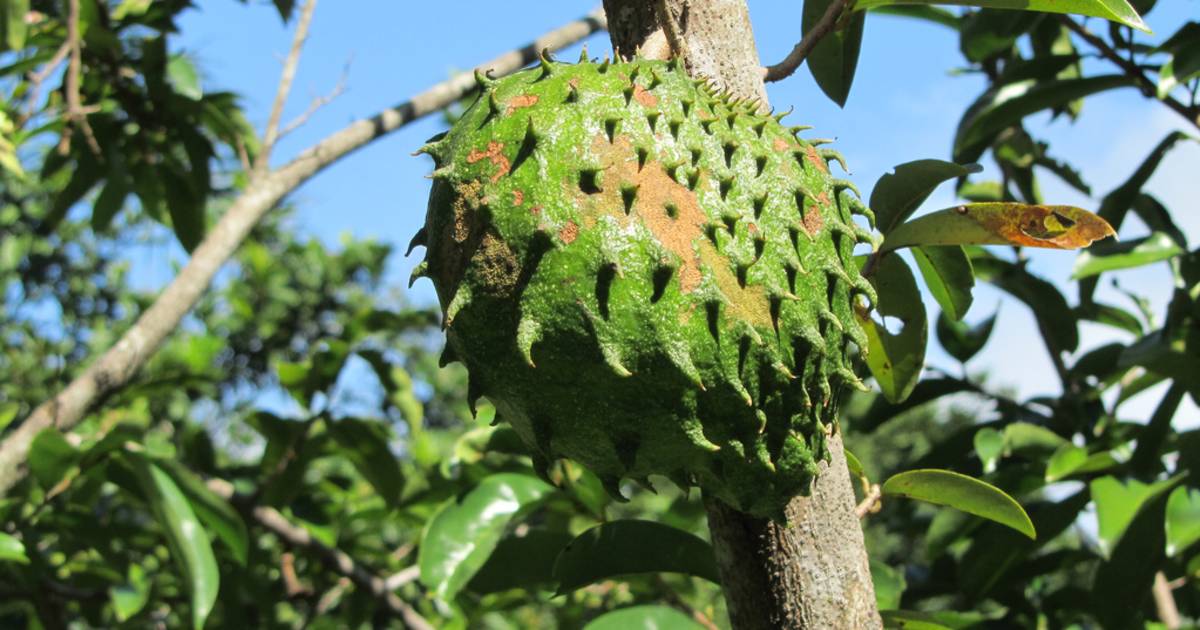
812	573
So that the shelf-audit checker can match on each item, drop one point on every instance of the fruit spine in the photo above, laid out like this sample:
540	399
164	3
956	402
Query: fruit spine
647	276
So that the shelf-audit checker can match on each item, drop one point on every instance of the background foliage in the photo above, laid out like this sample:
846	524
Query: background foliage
183	500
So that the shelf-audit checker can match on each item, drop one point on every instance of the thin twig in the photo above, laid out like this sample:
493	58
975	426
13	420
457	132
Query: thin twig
315	106
36	79
800	52
122	361
271	134
337	560
870	503
76	113
402	577
1164	603
1131	70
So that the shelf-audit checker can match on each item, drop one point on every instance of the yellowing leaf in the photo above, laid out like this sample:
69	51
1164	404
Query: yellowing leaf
1051	227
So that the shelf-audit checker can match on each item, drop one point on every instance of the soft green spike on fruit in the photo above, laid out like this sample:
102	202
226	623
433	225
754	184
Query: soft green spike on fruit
679	263
420	271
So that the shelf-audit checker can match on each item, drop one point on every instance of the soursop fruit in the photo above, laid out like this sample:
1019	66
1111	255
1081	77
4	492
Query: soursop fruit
648	277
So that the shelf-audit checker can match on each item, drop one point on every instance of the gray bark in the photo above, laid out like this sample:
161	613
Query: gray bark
813	572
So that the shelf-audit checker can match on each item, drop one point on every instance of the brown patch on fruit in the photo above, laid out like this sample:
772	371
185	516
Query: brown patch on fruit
518	197
810	152
495	266
779	144
823	199
813	221
569	232
523	100
493	153
748	303
645	98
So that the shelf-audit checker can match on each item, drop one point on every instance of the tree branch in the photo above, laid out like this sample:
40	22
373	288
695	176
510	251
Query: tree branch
337	560
286	76
1164	603
121	362
800	52
76	113
1131	69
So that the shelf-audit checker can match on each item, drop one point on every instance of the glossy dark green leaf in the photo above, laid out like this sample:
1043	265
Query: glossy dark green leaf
898	194
217	515
948	275
285	8
889	584
1147	457
962	340
51	457
365	444
185	204
525	561
1016	101
186	537
1117	11
1117	503
462	535
895	360
1049	306
647	617
835	58
1109	256
1121	585
1183	520
12	550
1110	316
629	547
318	373
84	177
944	487
989	33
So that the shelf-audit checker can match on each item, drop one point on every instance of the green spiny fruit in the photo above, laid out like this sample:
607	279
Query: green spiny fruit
648	277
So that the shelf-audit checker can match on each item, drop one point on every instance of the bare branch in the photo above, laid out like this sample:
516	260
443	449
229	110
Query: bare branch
271	134
800	52
76	113
402	577
1164	603
337	560
121	362
1148	88
36	79
316	105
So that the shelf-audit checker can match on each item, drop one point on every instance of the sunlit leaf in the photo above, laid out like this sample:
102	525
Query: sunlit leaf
1117	503
948	275
190	547
628	547
898	194
1051	227
12	550
1183	520
51	457
895	360
213	511
130	598
989	446
1066	460
1143	251
647	617
459	539
184	78
944	487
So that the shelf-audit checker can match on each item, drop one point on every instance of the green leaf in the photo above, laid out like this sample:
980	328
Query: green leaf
1181	68
51	457
12	550
184	78
8	413
1121	585
185	204
1032	441
1065	461
1110	256
15	27
898	194
1050	227
1050	308
911	620
1118	503
130	598
856	468
646	617
462	535
1010	104
214	511
889	584
365	444
947	272
524	562
895	360
1117	11
961	340
628	547
989	446
190	547
944	487
131	8
1183	520
834	59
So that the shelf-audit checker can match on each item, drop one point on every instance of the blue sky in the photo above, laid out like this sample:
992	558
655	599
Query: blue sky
904	106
